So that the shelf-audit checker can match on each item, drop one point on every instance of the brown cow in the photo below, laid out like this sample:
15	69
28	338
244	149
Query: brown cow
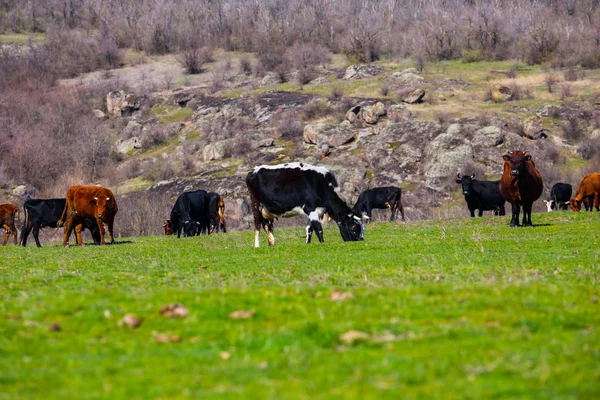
589	190
167	226
93	202
7	221
521	184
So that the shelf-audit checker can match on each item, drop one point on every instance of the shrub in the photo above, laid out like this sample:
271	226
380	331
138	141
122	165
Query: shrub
384	90
590	148
571	128
245	66
289	126
337	92
550	81
571	75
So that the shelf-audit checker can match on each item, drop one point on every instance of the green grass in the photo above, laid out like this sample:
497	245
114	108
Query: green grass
21	38
452	309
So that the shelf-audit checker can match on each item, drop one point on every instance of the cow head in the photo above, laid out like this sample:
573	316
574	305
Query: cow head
168	227
549	205
466	182
103	205
351	228
575	205
517	160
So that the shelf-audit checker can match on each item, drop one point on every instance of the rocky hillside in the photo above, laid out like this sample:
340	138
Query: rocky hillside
371	124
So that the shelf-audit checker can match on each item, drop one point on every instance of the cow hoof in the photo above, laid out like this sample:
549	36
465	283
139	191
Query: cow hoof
513	225
66	246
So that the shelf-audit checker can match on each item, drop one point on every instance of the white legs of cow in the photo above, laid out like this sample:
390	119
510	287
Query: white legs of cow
314	225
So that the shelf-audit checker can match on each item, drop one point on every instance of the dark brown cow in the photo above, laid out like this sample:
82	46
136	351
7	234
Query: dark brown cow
167	226
93	202
521	184
7	221
589	190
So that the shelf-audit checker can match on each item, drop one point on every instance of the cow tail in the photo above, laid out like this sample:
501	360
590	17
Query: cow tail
25	218
63	217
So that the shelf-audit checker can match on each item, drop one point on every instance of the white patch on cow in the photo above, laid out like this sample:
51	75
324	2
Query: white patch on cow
304	167
549	204
108	199
292	213
256	240
307	233
317	215
271	238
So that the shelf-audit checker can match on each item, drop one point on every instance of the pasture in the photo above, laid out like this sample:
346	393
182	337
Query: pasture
441	309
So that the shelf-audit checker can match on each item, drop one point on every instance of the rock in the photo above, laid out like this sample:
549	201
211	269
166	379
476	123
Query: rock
443	156
268	142
174	128
362	71
353	113
332	134
271	78
397	112
416	96
19	191
378	109
488	136
408	78
130	321
119	103
369	116
174	311
182	98
132	129
128	145
533	126
501	93
213	151
99	114
325	149
319	81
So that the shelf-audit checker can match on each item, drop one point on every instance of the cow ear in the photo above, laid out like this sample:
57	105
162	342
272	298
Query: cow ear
472	176
527	157
506	157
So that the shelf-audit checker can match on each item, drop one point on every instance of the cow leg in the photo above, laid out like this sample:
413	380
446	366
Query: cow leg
110	224
516	209
401	209
100	228
78	237
314	225
27	226
527	214
68	224
268	227
596	202
6	234
472	210
481	212
36	236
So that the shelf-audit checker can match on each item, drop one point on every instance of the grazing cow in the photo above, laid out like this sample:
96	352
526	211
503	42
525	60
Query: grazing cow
47	213
8	214
588	191
559	197
482	195
381	197
167	226
216	213
190	214
286	190
521	184
88	202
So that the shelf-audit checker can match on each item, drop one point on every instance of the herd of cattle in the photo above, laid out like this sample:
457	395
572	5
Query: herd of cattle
291	189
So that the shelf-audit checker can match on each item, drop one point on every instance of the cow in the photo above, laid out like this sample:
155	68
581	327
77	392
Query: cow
167	226
521	184
8	214
290	189
216	213
41	213
589	189
88	202
382	198
559	197
482	195
190	214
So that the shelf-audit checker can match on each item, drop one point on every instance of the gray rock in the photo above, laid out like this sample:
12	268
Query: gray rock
174	128
533	126
397	112
319	81
213	151
488	136
101	115
128	145
119	103
408	78
19	191
443	156
353	113
271	78
132	129
362	71
416	96
332	134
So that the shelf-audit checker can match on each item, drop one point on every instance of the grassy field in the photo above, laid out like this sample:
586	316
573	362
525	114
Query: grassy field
442	309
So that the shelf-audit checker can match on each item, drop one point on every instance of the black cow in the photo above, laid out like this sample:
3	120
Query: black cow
41	213
382	197
286	190
482	195
216	213
190	214
560	194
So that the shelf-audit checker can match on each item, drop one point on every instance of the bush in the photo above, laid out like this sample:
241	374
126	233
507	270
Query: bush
572	129
590	148
289	126
337	92
245	66
193	59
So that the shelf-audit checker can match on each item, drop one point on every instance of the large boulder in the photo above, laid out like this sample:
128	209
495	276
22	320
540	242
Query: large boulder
126	146
488	136
415	96
362	71
119	103
132	129
213	151
332	134
533	127
397	112
501	93
444	155
408	77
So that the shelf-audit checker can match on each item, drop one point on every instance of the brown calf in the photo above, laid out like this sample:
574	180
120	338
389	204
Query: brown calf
589	190
521	184
93	202
7	221
167	226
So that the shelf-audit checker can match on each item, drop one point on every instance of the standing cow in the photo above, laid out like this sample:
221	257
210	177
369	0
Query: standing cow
190	214
482	195
382	198
216	213
559	197
589	189
8	214
290	189
521	184
93	202
41	213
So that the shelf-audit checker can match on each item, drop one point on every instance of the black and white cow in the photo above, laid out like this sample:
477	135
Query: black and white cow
291	189
190	215
381	197
560	194
41	213
482	195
